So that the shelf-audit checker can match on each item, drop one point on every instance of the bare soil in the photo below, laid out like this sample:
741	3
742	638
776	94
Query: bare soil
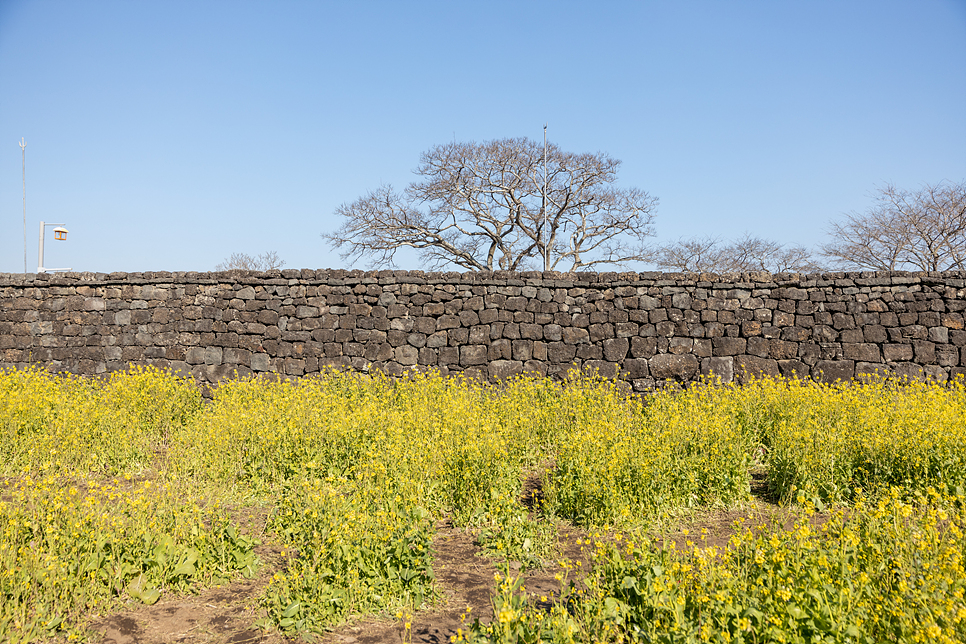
227	615
224	615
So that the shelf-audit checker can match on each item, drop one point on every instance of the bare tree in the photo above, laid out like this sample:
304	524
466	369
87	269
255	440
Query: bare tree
481	207
710	255
245	262
692	255
919	230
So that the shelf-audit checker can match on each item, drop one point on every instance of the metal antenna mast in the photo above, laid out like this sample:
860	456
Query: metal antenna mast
23	155
546	255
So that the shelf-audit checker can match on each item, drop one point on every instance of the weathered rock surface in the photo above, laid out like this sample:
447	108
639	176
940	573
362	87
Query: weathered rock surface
645	327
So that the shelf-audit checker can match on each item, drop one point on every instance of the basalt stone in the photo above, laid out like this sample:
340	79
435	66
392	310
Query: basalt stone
538	367
728	346
521	349
722	368
897	352
754	367
406	355
793	368
615	349
830	371
655	327
602	368
865	352
678	367
635	368
472	355
560	353
499	350
924	352
643	347
574	335
503	369
909	370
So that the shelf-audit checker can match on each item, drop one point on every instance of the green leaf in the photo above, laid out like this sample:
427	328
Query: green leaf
795	611
187	568
137	586
613	608
93	563
163	551
292	609
150	596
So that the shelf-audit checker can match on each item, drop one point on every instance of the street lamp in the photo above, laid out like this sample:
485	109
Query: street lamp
60	234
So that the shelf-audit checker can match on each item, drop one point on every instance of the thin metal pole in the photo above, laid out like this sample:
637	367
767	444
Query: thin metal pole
23	154
546	254
40	252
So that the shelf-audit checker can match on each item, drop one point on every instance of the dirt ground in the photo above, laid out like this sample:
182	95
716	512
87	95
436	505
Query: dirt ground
227	615
223	614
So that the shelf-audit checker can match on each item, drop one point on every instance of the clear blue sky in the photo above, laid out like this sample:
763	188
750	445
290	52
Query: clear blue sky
168	134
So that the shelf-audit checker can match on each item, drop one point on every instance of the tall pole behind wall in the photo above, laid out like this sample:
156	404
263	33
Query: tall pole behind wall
23	155
546	253
40	250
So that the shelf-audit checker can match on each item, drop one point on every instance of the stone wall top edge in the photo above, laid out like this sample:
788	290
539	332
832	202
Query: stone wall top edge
549	279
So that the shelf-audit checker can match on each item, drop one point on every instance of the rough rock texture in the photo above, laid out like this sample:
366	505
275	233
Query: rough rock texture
649	328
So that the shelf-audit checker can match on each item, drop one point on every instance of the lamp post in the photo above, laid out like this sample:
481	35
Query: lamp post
60	234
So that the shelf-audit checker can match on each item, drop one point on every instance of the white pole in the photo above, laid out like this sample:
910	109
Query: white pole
546	254
40	252
23	155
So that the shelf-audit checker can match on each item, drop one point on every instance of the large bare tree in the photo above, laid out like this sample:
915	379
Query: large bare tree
748	254
922	230
245	262
482	207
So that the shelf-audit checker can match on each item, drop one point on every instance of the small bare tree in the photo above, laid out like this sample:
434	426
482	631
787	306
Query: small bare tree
905	230
245	262
710	255
482	207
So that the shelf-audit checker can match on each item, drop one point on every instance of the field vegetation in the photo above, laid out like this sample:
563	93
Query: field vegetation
127	490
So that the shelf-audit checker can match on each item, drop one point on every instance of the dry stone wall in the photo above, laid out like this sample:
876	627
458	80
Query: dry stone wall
650	328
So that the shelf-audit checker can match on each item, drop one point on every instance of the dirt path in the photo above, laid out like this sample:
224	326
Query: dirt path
227	615
221	615
465	578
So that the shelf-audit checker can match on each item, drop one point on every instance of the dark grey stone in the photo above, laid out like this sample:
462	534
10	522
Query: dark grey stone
679	367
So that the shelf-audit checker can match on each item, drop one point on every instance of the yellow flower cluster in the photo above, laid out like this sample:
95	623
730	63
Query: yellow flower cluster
887	570
70	548
827	440
356	469
64	425
621	461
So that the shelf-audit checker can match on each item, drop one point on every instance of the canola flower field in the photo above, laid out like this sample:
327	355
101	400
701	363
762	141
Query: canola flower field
129	489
